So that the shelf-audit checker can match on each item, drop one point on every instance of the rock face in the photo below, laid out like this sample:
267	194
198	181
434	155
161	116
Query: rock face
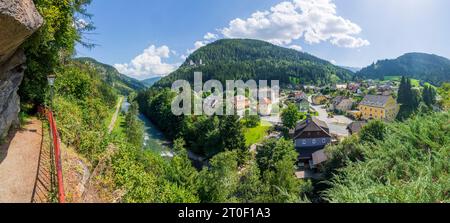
18	20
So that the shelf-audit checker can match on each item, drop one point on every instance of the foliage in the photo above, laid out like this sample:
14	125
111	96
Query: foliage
290	116
80	107
429	95
49	48
251	121
134	130
410	164
244	59
375	130
220	182
146	177
444	93
408	99
276	160
203	135
273	151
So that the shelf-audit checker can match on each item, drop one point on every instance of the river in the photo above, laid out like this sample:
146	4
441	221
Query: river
153	138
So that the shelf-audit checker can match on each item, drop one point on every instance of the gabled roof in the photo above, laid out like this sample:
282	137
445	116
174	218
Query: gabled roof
375	100
311	125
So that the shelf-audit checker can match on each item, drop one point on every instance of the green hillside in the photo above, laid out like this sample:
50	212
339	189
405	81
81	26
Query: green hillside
244	59
108	73
426	67
150	81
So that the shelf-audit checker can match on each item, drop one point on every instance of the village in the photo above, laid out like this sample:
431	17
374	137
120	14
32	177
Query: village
330	114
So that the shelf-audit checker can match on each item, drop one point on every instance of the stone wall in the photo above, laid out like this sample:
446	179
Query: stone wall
18	20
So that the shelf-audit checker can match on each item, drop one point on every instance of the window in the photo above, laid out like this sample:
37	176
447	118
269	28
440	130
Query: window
304	142
324	141
314	141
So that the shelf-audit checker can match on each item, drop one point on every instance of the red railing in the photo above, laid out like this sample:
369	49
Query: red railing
56	143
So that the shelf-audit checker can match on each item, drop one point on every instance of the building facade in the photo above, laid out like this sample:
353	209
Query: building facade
310	136
379	107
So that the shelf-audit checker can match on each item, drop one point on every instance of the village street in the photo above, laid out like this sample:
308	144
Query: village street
338	124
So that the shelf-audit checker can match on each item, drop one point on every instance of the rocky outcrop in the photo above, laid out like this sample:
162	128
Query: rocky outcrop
18	20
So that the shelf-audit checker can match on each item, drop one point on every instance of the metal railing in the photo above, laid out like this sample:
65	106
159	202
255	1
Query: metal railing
56	153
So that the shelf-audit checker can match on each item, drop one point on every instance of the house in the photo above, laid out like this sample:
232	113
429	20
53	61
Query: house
379	107
300	95
353	87
341	104
355	127
319	99
309	137
340	87
265	107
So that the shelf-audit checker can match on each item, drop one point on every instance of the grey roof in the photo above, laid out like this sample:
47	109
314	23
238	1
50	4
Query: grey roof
311	125
375	100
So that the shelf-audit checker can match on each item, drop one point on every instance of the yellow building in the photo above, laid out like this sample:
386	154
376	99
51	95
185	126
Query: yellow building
379	107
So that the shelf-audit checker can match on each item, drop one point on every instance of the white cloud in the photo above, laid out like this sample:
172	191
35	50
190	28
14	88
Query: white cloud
210	36
314	20
148	63
296	47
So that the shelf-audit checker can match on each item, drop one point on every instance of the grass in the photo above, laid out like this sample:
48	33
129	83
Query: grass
414	82
257	134
119	125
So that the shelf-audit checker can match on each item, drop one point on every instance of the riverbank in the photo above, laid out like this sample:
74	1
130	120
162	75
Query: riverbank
154	139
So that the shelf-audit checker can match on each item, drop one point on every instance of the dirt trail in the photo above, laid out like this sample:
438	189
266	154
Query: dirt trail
19	158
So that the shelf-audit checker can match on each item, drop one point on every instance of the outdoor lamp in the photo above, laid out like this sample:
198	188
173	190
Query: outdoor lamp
51	79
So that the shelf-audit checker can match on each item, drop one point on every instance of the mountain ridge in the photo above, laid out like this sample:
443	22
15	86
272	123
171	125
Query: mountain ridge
245	59
123	83
423	66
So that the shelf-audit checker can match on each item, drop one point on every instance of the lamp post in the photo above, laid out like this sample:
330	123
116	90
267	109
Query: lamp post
51	82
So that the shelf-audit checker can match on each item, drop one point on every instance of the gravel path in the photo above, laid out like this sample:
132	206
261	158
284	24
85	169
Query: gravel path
19	160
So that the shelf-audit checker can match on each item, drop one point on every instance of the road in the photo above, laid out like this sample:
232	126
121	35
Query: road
338	124
116	114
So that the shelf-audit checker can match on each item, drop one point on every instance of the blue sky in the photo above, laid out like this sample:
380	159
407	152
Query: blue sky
145	38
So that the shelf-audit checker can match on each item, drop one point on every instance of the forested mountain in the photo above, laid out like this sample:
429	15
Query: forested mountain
150	81
244	59
427	67
110	74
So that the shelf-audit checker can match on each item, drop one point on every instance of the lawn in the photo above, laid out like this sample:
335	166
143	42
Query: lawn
257	134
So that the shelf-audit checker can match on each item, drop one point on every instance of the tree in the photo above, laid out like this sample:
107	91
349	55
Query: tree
232	136
290	116
276	160
219	183
134	129
250	185
251	121
182	172
408	99
52	45
274	150
429	95
375	130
